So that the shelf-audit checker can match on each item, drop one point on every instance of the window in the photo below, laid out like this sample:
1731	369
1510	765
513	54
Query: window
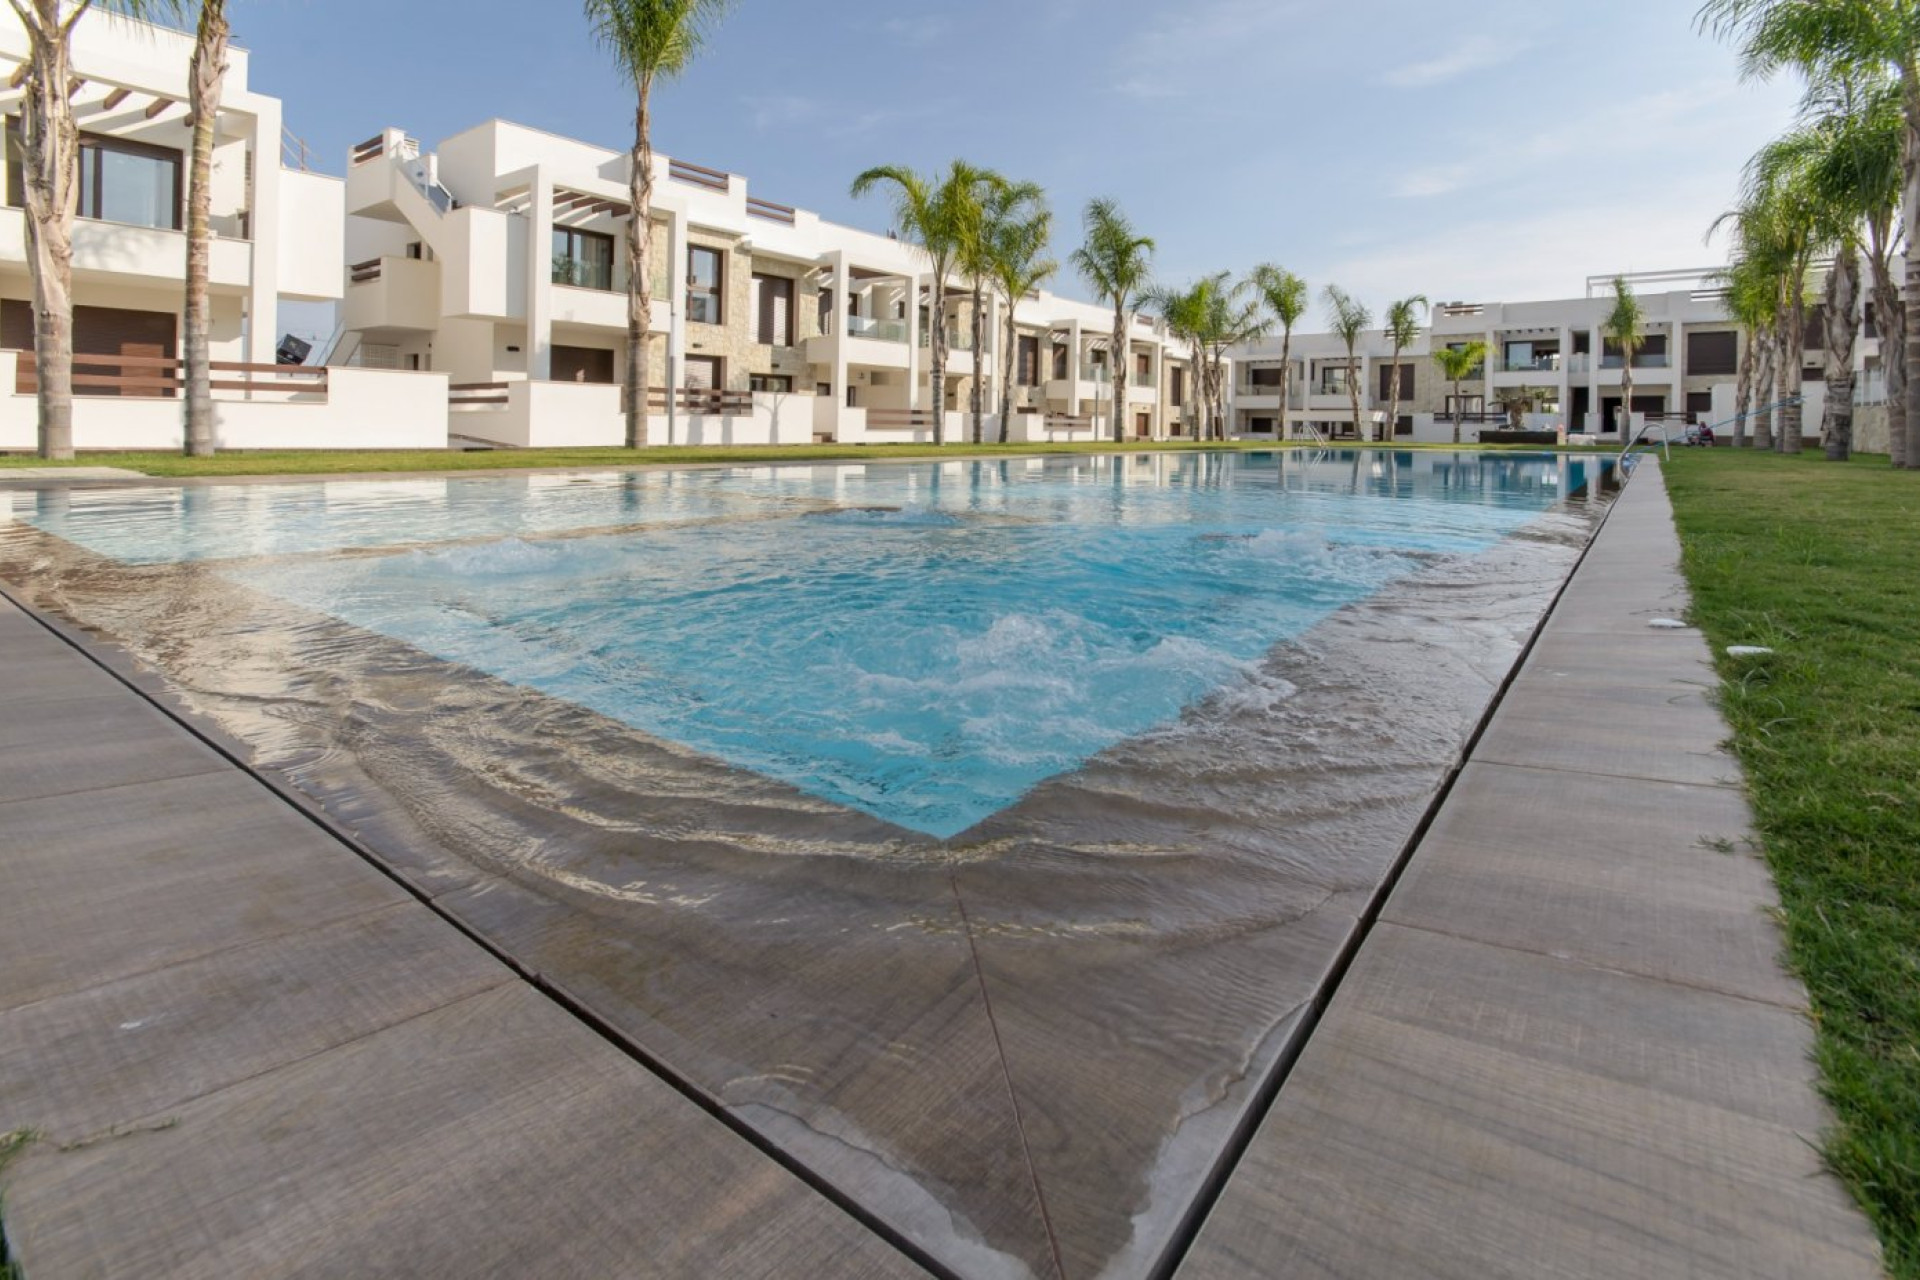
826	311
1406	382
583	259
1264	376
1334	379
773	311
703	373
1059	361
414	249
776	382
1177	390
1142	368
1651	355
1712	353
1028	356
1260	426
705	278
120	181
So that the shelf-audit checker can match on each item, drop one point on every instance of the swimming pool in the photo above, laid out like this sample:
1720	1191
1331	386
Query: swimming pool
976	833
923	643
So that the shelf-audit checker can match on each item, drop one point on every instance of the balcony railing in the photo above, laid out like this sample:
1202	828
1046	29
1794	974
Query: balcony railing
162	377
1578	362
583	275
957	338
876	330
1540	362
1641	360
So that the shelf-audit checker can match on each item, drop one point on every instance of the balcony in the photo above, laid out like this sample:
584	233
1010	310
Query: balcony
122	252
392	293
876	330
959	338
1641	360
1540	362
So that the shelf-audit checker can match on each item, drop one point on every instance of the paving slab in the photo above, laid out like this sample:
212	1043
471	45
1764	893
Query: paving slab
1662	884
1567	1049
486	1138
246	1051
1468	1112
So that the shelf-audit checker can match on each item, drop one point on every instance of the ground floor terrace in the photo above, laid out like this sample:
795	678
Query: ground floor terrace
1548	1037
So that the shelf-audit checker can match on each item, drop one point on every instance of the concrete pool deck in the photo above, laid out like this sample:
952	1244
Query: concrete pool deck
1565	1049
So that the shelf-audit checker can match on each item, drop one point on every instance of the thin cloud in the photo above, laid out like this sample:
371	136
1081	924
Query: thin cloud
1438	181
917	32
1477	54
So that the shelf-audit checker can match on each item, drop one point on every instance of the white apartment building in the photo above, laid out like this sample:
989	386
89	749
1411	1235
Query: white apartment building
499	258
279	233
1557	349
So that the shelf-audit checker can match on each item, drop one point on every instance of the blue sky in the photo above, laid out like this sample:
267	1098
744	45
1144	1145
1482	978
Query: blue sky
1498	149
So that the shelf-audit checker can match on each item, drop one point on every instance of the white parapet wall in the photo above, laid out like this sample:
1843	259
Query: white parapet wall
586	415
360	409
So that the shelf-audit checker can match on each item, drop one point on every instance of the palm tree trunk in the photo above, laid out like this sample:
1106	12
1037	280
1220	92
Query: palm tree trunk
1786	370
1910	218
1117	367
937	347
1763	389
1843	322
1007	374
1743	393
49	170
640	269
1891	321
1626	395
1458	412
977	400
1353	392
206	79
1393	399
1793	424
1286	379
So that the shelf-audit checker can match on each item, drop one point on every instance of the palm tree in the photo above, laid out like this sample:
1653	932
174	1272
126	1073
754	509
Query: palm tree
1285	296
1457	365
50	174
1626	324
205	79
1750	296
1348	319
1017	239
1185	313
1114	261
1232	318
993	202
1821	37
1403	330
650	40
938	214
1844	155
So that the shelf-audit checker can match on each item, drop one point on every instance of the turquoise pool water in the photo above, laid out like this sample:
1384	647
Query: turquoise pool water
921	642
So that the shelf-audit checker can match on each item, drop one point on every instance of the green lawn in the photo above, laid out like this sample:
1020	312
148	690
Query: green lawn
323	462
1821	562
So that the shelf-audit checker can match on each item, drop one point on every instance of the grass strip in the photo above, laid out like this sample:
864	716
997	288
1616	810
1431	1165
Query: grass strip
1821	563
343	462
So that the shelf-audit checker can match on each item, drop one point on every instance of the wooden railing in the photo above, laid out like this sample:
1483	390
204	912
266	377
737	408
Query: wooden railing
364	272
697	175
758	208
476	394
702	401
900	419
372	149
160	377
